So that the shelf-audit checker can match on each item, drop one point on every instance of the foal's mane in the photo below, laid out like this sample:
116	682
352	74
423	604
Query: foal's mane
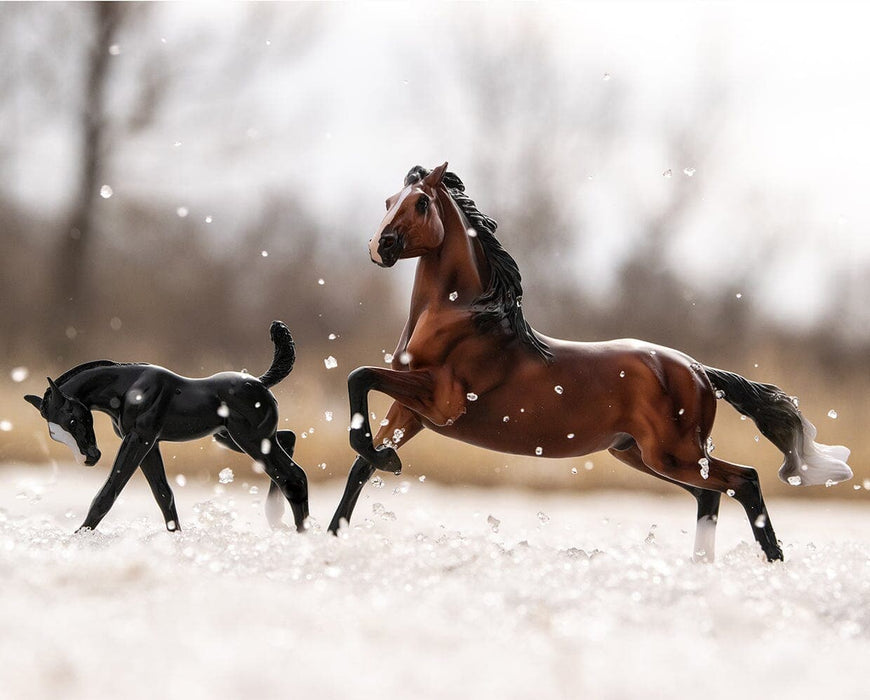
78	369
501	302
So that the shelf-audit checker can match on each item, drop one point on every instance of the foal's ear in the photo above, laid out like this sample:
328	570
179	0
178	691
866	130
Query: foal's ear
434	178
35	401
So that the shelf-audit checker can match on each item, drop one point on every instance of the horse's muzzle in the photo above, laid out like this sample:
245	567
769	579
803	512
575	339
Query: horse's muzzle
92	457
389	248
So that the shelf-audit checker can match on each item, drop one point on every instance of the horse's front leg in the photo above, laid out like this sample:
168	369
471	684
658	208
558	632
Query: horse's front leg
434	394
134	449
400	426
155	474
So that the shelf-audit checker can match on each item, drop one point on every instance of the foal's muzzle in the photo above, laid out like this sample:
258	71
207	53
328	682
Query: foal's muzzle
390	247
92	457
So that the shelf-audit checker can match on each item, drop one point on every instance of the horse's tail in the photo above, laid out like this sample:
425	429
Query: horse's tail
285	355
777	416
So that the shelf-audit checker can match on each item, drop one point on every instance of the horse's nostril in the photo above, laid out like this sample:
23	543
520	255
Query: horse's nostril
389	240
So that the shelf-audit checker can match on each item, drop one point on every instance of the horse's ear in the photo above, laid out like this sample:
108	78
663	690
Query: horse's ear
56	393
35	401
434	178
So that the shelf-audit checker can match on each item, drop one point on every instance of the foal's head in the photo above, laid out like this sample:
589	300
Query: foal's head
412	226
69	422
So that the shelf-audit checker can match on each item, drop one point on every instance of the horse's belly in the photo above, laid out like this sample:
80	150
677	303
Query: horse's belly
526	431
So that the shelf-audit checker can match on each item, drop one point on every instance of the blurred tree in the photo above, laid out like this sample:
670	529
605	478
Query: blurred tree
73	258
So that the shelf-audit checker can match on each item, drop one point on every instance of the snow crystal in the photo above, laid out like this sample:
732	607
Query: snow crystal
558	389
226	475
570	436
330	362
106	192
705	467
832	414
264	253
622	373
332	336
321	281
453	296
5	426
19	374
588	466
357	421
223	410
539	451
114	50
689	172
760	521
115	323
471	233
181	480
493	522
378	482
505	419
388	357
265	446
543	518
573	470
405	358
328	415
794	480
668	173
182	212
471	396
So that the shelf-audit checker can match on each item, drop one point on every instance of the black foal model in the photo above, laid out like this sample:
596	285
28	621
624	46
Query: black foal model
149	404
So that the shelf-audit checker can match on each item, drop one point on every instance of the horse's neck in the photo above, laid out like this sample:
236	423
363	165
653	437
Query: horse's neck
449	277
97	386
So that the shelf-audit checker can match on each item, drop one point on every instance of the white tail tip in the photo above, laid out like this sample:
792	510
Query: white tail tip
811	463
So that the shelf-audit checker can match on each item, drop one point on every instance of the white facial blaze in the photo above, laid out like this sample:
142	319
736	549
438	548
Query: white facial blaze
58	434
388	218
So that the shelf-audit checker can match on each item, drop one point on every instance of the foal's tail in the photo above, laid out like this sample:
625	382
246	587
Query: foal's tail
285	355
776	414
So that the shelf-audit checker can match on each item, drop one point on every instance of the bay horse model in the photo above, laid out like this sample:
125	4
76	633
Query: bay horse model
149	404
469	366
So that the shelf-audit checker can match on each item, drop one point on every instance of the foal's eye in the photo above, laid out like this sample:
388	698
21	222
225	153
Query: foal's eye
72	422
422	204
387	204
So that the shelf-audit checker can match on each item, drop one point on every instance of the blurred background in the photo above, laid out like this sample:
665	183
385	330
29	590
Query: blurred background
175	176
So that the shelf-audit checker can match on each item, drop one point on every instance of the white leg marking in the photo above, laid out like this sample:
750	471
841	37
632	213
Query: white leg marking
705	539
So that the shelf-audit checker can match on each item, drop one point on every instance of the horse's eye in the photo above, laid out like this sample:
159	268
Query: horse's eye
387	203
422	204
72	422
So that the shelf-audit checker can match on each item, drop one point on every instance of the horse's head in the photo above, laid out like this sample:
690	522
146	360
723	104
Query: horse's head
412	225
69	422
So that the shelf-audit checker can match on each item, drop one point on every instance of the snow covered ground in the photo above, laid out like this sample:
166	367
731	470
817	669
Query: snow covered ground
435	592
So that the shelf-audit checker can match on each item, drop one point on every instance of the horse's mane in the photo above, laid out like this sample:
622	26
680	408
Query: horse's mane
501	302
78	369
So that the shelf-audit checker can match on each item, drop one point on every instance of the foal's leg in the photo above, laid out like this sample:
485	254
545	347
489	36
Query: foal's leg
287	476
133	450
708	504
155	474
274	500
398	418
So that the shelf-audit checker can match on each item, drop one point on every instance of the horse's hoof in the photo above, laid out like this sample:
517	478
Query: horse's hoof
388	460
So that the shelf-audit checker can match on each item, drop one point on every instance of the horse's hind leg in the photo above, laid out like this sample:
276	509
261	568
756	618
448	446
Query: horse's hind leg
155	473
274	500
708	504
287	476
711	473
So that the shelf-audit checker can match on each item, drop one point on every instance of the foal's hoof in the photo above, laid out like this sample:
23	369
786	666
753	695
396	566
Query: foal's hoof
388	460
